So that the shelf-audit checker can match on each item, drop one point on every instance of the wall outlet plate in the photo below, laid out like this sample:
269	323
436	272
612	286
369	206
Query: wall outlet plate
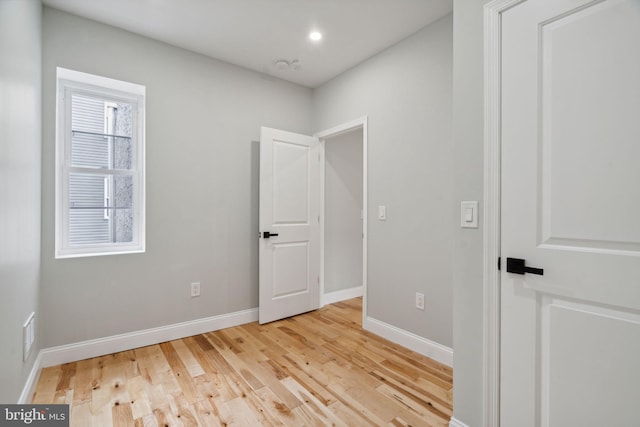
419	301
195	289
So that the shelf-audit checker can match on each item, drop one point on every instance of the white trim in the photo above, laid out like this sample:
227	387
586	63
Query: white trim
432	349
323	167
361	122
341	295
365	210
491	213
343	128
100	81
115	343
456	423
32	381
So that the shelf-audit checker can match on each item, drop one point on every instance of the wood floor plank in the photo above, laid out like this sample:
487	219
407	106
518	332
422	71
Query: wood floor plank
122	414
400	384
311	404
46	389
187	358
270	348
81	411
274	412
406	401
316	369
146	421
206	414
180	372
368	412
140	401
154	366
85	381
307	380
228	381
246	343
347	415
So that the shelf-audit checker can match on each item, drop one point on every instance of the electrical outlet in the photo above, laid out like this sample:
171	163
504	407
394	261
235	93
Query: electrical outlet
419	301
195	289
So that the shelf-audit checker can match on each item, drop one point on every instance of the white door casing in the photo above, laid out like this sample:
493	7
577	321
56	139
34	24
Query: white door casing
570	204
289	207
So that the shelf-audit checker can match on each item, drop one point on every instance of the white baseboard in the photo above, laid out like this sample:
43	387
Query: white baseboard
99	347
341	295
32	381
455	423
412	341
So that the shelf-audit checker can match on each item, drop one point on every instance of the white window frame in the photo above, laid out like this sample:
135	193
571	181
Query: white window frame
108	106
68	82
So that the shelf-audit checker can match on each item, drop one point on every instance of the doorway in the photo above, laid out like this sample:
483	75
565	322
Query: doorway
343	222
342	249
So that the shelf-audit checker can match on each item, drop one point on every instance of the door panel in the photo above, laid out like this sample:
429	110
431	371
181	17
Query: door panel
590	100
570	347
291	197
602	350
290	268
289	210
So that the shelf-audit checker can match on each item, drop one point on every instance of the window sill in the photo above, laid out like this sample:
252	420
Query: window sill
93	253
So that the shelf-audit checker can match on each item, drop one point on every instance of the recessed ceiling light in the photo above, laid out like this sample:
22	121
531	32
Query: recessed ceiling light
315	36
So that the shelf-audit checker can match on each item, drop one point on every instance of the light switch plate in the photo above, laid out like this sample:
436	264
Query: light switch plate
469	214
382	213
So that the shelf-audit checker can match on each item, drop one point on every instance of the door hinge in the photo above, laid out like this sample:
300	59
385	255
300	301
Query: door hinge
498	263
318	280
318	219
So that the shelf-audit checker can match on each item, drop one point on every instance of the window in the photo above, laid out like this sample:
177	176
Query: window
99	166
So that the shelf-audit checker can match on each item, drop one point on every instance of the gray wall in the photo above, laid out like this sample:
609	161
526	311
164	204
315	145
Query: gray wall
342	213
406	91
468	154
203	118
20	148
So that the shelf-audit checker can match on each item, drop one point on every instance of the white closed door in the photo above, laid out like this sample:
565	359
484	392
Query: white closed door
570	191
289	224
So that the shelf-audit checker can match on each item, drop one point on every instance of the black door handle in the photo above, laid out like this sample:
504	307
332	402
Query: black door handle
516	265
267	234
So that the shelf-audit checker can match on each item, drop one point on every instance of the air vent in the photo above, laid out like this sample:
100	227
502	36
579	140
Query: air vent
28	335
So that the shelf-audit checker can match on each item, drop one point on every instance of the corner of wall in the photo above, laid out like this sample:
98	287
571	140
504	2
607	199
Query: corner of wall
20	186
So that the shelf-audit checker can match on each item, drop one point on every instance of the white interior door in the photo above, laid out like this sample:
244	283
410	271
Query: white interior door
289	224
570	338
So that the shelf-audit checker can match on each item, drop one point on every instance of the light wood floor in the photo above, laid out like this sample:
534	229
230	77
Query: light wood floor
315	369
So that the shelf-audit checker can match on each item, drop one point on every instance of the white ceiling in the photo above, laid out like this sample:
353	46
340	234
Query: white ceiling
256	33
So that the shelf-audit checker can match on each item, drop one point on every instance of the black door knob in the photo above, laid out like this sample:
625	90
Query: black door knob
517	266
267	234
